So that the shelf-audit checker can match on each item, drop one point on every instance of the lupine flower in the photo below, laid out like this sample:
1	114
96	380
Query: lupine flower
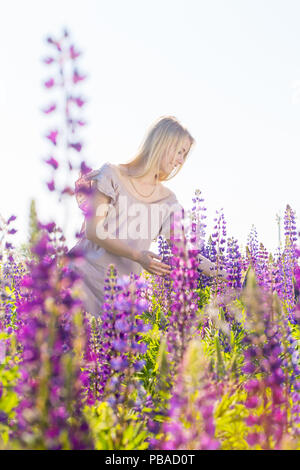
49	83
76	145
52	162
77	77
51	185
11	219
52	136
48	60
184	302
73	53
50	109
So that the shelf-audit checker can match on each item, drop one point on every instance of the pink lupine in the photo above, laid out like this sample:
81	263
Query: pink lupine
52	136
79	101
50	109
48	60
73	53
54	43
49	83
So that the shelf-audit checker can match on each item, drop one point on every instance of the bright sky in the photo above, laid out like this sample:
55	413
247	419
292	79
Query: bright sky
228	70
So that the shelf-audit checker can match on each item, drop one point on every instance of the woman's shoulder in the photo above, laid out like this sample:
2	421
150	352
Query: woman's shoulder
105	180
104	170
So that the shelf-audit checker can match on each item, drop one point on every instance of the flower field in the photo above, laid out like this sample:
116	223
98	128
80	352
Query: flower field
184	361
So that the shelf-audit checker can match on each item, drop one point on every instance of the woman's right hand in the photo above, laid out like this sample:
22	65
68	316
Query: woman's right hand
147	259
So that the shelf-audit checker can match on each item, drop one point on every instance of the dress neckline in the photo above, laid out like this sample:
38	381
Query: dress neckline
126	185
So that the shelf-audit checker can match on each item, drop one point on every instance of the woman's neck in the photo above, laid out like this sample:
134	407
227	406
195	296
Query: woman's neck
150	178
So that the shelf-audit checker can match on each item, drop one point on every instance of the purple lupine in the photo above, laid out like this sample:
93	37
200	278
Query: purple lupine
197	235
262	271
115	344
267	366
52	162
198	226
289	260
233	263
162	285
181	322
120	348
97	355
217	241
190	423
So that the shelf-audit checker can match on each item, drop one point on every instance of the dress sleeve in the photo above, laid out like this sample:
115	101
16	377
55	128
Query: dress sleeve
105	181
175	208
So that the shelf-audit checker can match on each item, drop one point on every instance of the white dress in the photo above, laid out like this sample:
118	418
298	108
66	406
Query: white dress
125	211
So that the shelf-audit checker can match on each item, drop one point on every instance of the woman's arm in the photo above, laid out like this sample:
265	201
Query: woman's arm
118	247
210	269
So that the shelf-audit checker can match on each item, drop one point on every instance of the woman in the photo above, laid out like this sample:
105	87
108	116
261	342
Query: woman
129	208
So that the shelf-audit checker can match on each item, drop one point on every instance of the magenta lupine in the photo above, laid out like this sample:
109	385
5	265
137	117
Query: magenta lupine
52	136
48	60
49	414
68	76
50	109
49	83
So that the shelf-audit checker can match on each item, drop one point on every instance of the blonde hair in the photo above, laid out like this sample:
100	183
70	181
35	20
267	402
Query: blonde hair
164	134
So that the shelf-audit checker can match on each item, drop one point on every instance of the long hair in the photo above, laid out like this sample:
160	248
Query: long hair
164	135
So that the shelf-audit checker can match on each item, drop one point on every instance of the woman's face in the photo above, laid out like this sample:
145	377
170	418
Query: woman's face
175	156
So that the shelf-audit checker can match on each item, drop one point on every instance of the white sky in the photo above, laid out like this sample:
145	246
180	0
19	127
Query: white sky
228	70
